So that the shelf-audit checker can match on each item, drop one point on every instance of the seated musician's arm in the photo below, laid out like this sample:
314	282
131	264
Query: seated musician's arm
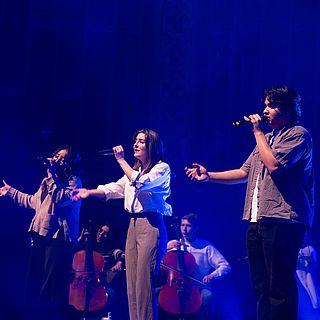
218	262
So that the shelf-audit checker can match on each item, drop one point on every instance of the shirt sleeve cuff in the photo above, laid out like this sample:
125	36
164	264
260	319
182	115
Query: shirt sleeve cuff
216	274
245	168
11	192
105	191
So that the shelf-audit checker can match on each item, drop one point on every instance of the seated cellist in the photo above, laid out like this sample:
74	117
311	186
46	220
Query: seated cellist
210	263
110	275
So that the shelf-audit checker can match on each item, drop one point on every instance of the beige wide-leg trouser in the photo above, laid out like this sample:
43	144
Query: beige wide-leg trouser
145	247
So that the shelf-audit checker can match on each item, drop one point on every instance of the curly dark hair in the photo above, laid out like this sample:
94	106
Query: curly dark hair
72	161
287	99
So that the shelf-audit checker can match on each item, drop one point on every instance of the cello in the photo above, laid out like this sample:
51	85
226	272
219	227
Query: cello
86	291
179	295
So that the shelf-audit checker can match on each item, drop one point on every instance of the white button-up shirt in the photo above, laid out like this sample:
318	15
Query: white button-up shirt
143	192
208	259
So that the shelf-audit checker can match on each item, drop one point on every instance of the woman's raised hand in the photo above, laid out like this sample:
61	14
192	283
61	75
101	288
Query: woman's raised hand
118	152
4	189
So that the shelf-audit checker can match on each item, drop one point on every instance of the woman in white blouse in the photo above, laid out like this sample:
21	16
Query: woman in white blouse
145	188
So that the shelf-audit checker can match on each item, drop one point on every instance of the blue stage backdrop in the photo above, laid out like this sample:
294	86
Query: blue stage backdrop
91	72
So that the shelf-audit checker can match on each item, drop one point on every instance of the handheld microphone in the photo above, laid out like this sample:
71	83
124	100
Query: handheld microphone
243	122
48	163
106	152
110	152
44	161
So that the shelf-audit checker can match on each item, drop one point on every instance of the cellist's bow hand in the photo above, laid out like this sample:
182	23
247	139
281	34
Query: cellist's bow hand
207	279
117	267
4	189
174	245
197	172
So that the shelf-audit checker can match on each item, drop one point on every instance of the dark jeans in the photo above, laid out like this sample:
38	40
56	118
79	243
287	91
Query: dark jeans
272	249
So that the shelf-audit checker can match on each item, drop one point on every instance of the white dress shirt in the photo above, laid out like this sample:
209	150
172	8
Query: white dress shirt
208	259
143	192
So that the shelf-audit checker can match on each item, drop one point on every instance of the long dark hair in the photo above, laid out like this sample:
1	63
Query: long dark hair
154	148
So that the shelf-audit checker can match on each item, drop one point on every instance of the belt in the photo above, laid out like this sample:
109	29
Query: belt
144	214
